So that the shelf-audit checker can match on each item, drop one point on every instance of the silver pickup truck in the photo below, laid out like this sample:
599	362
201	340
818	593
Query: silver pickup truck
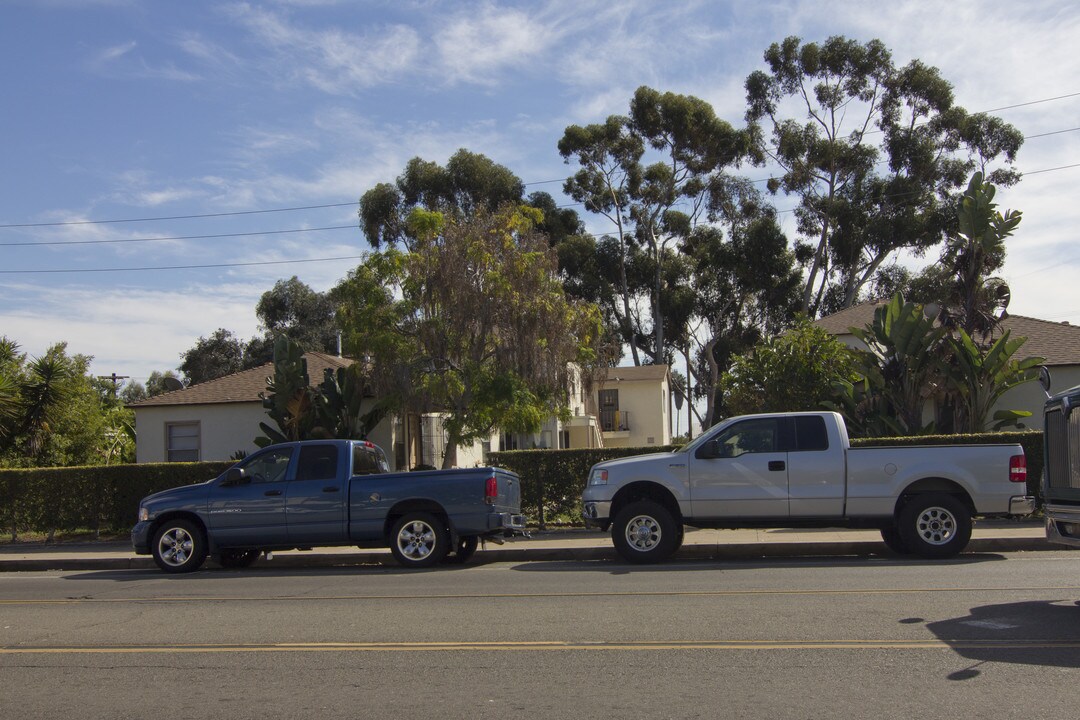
798	470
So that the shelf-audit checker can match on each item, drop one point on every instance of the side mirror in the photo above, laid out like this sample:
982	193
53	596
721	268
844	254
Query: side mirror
1044	379
708	451
235	476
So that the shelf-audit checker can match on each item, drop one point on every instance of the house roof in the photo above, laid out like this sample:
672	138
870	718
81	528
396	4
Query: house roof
1059	343
240	387
641	372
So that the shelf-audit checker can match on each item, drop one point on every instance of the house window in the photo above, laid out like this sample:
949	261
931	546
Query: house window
182	442
609	410
508	441
564	439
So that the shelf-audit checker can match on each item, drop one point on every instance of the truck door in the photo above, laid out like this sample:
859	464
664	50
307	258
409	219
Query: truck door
253	512
817	471
741	472
315	502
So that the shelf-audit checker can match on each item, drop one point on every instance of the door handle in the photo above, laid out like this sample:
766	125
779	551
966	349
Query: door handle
271	493
777	465
330	488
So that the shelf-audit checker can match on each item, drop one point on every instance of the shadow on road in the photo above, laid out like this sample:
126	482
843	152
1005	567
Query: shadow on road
1036	632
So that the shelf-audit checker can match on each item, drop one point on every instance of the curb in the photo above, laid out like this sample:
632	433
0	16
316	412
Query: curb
745	551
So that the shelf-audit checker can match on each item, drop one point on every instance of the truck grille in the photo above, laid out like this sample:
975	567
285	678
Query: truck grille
1062	472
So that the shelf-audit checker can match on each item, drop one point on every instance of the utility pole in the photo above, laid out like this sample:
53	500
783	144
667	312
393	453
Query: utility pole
115	379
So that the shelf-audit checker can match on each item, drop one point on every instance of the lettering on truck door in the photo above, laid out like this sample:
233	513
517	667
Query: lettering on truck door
253	512
741	472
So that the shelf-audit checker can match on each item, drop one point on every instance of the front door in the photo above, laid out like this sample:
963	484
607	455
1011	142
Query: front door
741	473
252	513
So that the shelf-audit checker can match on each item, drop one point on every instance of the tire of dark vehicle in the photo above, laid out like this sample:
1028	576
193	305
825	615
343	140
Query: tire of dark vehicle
179	546
935	525
645	532
891	536
237	558
419	540
466	547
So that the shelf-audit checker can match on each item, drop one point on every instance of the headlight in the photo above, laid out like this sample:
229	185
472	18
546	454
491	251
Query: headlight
598	477
144	514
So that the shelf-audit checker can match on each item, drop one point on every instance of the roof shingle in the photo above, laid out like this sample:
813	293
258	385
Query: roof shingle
240	387
1059	343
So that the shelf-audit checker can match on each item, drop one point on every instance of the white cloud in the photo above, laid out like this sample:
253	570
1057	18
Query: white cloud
333	61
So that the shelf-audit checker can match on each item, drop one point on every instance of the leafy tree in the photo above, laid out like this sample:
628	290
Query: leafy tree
293	309
975	300
789	372
32	396
470	182
471	321
212	357
653	207
743	285
860	112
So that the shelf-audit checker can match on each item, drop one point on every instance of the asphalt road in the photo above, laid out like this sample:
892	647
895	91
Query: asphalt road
989	636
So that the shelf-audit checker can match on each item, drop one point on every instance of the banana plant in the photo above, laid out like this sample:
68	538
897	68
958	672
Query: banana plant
982	375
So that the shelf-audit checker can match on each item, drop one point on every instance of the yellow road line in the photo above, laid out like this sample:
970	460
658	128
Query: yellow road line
535	646
526	596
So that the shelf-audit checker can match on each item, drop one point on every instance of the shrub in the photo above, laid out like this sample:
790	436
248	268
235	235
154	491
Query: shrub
44	500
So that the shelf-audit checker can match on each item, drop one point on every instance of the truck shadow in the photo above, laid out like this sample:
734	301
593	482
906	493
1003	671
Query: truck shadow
211	573
1034	632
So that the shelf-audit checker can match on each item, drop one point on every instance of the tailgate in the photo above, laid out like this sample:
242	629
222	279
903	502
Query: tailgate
508	498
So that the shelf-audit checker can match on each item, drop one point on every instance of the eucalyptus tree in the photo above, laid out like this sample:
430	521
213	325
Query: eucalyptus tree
653	201
874	153
469	182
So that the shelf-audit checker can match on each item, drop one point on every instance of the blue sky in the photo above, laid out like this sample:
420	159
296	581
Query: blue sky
119	109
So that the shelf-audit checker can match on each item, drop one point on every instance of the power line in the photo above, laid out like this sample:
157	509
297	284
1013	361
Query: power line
177	217
178	237
179	267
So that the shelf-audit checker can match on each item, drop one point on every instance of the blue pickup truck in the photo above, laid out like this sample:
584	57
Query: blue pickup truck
325	493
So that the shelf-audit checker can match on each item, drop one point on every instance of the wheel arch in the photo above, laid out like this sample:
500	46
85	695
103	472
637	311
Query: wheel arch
167	517
404	507
934	485
646	490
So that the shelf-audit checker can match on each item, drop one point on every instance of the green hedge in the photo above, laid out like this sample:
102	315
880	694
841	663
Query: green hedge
46	500
552	480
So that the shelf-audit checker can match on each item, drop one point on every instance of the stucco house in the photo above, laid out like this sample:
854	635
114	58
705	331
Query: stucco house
1059	343
217	419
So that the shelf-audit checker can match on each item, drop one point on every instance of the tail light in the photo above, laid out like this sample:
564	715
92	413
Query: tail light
491	490
1018	469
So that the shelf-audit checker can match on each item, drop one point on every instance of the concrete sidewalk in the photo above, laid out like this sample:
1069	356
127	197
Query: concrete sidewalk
989	536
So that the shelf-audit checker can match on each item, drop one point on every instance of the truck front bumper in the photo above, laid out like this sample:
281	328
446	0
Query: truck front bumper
596	513
140	538
1063	525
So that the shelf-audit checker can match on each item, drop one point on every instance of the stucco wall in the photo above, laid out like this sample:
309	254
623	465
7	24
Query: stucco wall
648	403
223	429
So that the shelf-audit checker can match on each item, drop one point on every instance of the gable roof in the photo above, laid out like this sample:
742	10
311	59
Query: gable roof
1059	343
241	387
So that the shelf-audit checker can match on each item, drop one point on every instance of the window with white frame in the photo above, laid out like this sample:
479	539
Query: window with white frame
182	442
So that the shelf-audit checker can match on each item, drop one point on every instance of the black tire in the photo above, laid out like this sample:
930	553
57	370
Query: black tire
891	536
233	559
466	547
645	532
179	546
935	525
419	540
